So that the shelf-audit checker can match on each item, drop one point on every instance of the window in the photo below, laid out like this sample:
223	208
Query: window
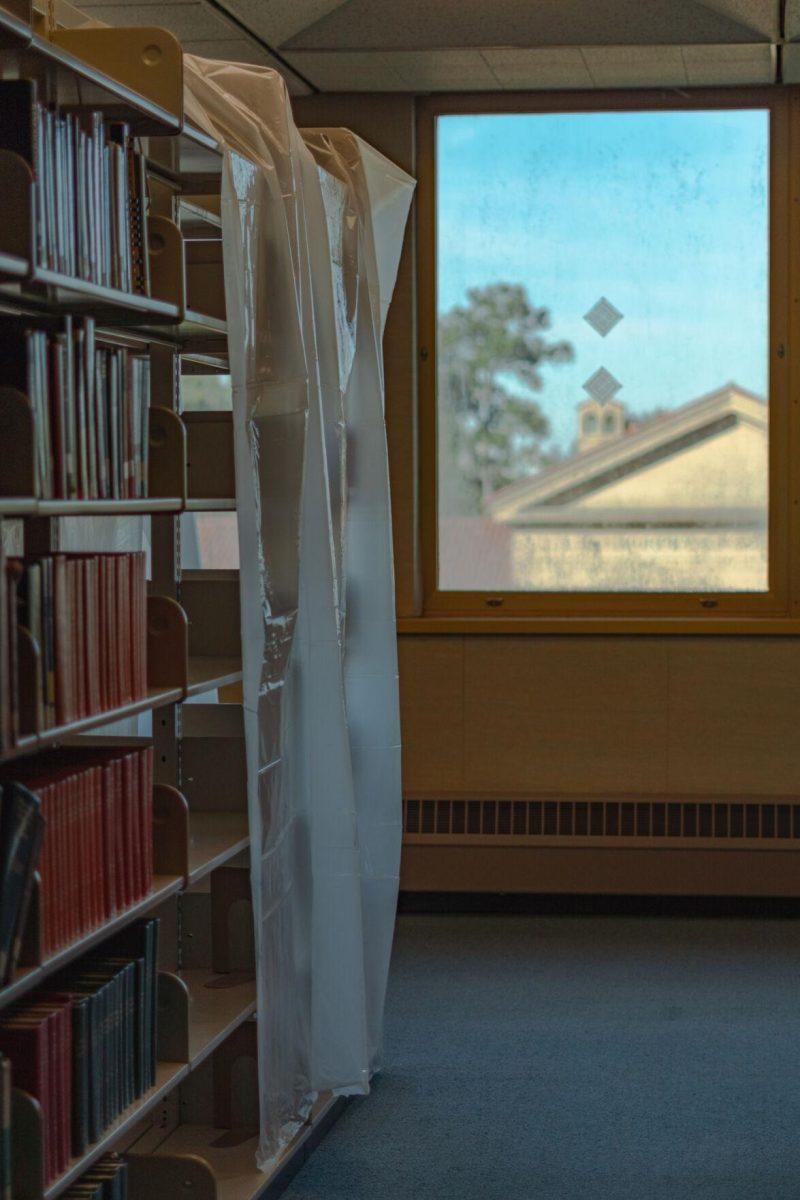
208	540
604	391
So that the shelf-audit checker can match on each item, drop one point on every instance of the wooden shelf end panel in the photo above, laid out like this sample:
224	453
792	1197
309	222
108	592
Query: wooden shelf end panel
16	227
170	1175
167	454
167	643
170	831
167	275
17	472
145	60
27	1161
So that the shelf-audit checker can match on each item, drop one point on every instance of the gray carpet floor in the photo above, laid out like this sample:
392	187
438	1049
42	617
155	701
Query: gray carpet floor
579	1058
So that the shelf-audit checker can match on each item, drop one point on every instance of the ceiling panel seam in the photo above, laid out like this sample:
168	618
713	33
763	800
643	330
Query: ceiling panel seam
490	69
276	54
588	68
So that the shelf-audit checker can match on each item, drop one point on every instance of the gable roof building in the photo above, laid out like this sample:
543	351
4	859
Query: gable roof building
677	502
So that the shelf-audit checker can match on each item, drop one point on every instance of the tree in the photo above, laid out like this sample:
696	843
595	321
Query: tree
490	355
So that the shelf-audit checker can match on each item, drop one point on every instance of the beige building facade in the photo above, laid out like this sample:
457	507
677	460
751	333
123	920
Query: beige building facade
676	503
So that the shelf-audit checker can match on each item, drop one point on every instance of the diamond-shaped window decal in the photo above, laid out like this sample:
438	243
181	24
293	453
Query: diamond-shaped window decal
602	386
603	316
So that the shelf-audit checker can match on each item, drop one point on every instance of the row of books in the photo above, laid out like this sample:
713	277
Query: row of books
87	615
85	1047
89	403
90	189
96	856
106	1180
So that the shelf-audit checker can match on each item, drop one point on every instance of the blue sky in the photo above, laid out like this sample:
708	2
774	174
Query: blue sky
664	213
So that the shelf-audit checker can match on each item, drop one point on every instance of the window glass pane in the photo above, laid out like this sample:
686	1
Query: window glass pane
602	351
208	540
206	392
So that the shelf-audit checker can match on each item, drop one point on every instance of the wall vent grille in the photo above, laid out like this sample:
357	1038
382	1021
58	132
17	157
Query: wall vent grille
748	819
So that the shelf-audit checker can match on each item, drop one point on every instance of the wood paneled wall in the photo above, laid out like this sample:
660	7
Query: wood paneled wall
597	714
572	713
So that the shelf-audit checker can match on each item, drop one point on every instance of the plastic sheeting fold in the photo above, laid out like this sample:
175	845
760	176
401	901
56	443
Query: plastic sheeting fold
313	226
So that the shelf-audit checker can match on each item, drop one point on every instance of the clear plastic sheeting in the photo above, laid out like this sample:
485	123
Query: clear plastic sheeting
313	226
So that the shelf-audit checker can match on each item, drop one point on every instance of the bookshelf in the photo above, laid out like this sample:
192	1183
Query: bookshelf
188	709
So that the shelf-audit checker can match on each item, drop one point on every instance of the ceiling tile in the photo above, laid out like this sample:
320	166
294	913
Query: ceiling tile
791	63
442	69
344	72
418	24
763	17
723	65
792	19
195	21
243	50
278	20
635	66
561	67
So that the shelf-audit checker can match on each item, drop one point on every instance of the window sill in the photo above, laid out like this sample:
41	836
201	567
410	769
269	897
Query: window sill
658	626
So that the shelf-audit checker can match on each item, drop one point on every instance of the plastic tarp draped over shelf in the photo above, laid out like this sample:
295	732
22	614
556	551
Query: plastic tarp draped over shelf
313	226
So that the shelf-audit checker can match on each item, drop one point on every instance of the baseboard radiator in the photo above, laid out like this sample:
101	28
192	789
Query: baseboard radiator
616	845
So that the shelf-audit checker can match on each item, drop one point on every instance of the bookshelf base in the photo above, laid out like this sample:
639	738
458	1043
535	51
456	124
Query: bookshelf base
231	1154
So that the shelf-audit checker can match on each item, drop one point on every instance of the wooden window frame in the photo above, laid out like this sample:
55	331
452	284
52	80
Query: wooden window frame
774	611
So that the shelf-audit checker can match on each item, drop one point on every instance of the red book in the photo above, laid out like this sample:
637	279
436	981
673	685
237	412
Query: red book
63	897
84	863
76	864
124	593
79	633
101	905
105	636
72	654
101	908
56	1008
141	864
50	866
63	650
110	827
91	660
40	1008
119	806
134	799
85	866
113	630
129	802
97	598
46	869
72	923
54	834
139	772
139	633
147	810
